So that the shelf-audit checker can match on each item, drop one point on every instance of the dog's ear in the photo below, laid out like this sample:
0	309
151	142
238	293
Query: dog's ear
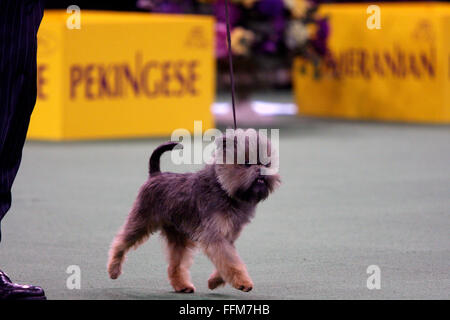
226	144
223	142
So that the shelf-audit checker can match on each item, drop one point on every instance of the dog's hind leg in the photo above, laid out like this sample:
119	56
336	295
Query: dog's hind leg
215	280
135	231
180	252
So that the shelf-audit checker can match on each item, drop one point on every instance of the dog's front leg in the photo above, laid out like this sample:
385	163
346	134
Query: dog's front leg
229	265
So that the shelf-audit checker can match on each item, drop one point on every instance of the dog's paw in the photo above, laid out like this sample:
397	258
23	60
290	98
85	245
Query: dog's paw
245	285
246	288
114	271
215	282
185	289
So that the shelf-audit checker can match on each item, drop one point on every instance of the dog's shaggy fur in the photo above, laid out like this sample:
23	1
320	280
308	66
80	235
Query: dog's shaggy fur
205	209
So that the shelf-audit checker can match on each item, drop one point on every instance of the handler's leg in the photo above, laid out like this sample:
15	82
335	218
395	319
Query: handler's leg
19	22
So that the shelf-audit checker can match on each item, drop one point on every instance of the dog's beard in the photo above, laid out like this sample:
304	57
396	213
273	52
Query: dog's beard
258	191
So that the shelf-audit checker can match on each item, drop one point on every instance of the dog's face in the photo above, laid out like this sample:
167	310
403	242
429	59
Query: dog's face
246	174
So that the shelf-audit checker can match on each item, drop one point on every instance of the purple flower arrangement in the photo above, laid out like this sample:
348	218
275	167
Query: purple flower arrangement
263	32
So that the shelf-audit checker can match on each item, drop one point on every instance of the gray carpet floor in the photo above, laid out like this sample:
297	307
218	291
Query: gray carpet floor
354	194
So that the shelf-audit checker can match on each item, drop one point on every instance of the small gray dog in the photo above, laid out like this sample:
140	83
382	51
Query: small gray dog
205	209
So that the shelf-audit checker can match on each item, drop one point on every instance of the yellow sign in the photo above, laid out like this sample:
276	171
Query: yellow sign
123	75
399	71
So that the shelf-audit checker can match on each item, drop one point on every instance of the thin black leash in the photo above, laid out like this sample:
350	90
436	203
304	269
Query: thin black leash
230	60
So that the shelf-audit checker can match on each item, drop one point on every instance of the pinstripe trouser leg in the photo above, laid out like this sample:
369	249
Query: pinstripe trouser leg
19	23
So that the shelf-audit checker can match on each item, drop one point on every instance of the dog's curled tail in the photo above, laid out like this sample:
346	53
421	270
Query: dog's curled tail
156	155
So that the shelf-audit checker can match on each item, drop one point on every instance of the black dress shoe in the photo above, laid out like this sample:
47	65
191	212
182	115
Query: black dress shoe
14	291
